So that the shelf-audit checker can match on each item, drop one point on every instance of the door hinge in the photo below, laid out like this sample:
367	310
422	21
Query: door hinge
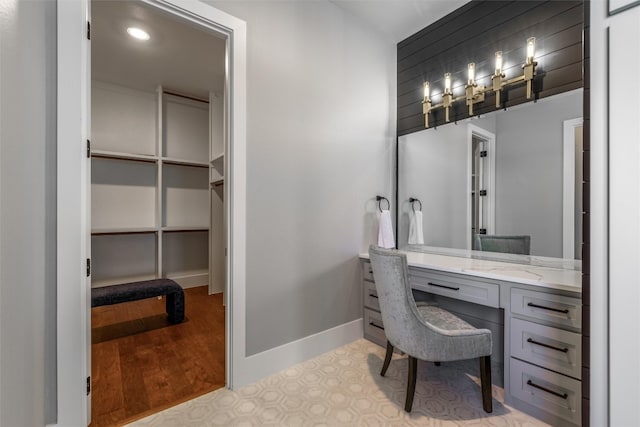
483	231
88	30
88	149
88	385
483	192
88	267
483	153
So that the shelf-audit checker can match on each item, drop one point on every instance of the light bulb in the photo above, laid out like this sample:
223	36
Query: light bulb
427	91
498	63
472	74
531	49
138	33
447	83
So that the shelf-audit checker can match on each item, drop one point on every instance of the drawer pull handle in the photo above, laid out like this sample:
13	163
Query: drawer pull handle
555	393
373	296
376	326
565	311
564	350
443	286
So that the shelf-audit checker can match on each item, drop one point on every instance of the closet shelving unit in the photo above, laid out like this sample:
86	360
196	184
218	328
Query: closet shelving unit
151	175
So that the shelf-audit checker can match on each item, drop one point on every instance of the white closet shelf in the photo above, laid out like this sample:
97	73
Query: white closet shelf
121	280
183	162
123	230
185	228
217	158
217	182
123	156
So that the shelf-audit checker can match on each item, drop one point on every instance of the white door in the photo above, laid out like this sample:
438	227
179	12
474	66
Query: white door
88	212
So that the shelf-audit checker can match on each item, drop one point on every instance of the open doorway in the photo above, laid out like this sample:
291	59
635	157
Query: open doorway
157	207
481	181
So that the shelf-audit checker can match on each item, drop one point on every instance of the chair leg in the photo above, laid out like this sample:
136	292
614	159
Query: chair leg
387	359
411	383
485	383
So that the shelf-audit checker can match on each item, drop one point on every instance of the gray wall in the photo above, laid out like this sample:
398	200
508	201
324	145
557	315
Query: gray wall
27	212
320	143
529	170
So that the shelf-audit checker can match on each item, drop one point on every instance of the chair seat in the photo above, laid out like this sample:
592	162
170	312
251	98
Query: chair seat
442	319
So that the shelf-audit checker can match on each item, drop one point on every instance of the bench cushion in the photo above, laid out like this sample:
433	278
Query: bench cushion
134	291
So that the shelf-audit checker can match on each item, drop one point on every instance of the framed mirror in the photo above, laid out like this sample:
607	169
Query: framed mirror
513	174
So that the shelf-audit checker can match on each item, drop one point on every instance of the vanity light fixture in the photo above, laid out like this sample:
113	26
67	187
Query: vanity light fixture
474	93
138	33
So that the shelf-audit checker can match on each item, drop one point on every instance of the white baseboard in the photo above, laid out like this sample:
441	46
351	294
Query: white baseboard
191	280
277	359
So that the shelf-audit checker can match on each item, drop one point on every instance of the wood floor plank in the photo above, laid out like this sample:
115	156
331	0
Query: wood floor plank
142	364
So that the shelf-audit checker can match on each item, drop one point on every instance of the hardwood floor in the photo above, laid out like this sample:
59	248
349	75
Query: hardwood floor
142	364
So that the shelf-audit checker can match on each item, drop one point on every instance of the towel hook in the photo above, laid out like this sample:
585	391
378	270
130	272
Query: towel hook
379	199
412	200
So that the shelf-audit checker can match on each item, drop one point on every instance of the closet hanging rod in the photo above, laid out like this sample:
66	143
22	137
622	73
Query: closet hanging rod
379	199
412	200
182	95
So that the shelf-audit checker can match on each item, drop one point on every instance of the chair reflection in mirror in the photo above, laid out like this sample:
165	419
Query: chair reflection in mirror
505	244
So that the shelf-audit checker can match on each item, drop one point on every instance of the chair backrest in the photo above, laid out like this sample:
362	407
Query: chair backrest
505	244
397	305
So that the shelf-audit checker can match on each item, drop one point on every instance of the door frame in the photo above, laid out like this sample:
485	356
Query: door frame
73	296
490	139
568	186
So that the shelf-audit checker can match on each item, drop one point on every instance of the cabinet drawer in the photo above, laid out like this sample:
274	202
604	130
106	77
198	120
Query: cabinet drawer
551	348
373	327
370	295
456	287
367	271
557	309
551	392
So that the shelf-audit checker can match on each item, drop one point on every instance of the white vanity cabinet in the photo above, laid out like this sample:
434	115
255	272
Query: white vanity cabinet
534	314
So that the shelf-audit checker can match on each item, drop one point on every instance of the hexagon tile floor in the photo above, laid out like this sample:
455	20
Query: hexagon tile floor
344	388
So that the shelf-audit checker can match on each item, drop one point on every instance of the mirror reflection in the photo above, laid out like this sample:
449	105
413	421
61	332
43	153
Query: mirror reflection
508	182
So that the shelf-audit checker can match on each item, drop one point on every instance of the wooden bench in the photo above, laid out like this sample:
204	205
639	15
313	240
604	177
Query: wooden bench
134	291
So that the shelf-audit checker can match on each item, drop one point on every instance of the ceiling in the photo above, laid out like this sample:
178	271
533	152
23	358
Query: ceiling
398	19
185	58
180	56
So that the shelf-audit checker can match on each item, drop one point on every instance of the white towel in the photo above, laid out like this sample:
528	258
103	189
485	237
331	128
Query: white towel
385	232
416	235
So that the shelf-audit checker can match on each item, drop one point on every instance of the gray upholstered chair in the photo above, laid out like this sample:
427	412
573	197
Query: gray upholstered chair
425	332
505	244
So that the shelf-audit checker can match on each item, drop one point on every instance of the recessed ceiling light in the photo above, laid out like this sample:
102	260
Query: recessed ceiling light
138	33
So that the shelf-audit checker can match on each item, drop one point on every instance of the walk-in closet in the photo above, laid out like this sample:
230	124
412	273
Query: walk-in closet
157	207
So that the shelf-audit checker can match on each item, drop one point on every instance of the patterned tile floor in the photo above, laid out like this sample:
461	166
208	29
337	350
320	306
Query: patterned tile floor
344	388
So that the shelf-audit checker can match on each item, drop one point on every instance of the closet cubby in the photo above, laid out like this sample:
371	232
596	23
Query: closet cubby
121	258
185	197
185	254
123	120
151	190
123	194
186	130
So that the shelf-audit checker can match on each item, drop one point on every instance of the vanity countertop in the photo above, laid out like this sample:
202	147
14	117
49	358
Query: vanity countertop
546	277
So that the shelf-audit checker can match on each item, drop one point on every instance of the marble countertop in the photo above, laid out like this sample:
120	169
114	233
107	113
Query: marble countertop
535	275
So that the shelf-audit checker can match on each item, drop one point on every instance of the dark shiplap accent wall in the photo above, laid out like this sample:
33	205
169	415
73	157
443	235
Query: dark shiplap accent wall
586	223
474	33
